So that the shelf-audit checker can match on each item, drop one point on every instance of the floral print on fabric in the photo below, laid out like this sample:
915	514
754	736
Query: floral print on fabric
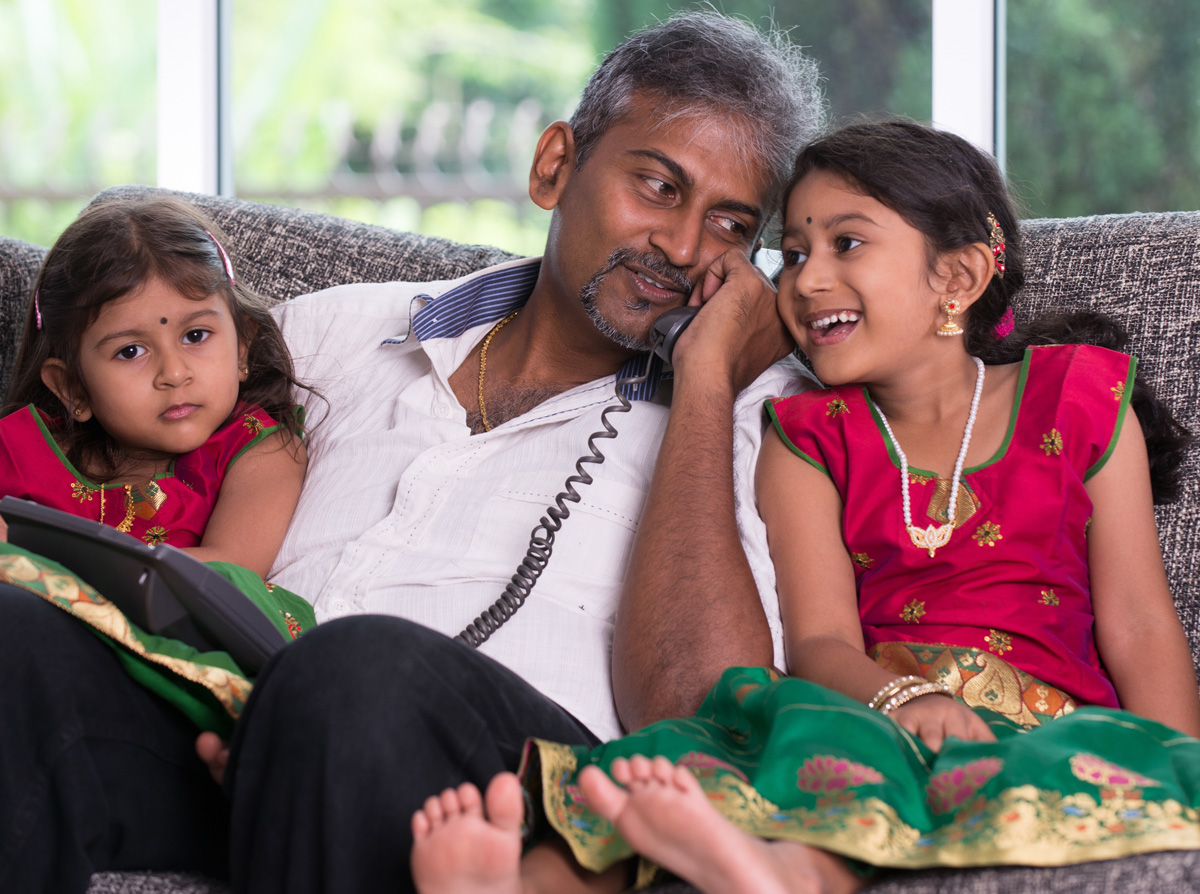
951	789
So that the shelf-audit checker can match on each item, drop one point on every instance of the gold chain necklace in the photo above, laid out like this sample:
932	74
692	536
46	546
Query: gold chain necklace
487	340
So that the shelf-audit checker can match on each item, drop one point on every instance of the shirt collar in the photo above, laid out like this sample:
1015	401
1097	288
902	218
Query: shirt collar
493	295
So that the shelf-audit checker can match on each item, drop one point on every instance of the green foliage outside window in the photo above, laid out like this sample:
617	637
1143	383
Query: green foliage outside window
423	114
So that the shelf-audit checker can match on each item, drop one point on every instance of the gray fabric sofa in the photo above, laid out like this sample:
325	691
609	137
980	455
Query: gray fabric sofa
1143	268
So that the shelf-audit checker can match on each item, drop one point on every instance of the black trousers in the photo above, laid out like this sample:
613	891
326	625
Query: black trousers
347	732
95	771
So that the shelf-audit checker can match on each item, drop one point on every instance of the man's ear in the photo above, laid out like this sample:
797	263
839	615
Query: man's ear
966	272
553	162
59	380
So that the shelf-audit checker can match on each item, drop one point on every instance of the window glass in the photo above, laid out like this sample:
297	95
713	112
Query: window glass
1102	110
424	115
83	115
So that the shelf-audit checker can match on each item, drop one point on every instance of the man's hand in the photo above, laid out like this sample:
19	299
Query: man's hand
933	718
214	751
739	331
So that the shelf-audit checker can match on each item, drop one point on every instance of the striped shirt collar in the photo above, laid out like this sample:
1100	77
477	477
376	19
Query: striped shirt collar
493	295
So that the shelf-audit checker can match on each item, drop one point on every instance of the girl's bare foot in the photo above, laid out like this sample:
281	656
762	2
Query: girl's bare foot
459	850
665	816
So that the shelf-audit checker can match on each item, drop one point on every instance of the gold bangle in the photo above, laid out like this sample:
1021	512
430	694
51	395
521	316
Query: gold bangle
914	691
890	689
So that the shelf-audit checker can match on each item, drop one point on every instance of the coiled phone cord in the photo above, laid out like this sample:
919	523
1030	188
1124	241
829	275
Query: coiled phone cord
541	539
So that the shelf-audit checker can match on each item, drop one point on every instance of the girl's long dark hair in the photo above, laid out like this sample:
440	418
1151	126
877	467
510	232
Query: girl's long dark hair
111	249
945	187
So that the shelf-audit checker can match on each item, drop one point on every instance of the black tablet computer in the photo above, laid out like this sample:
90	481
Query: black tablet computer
161	589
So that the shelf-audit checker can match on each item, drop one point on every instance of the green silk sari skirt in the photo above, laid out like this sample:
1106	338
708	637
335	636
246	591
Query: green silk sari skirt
783	758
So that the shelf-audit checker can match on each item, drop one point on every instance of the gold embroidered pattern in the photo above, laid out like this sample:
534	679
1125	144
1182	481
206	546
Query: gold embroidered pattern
1118	390
998	641
75	597
156	534
862	560
979	678
1052	443
939	503
914	478
1087	526
252	425
81	491
1049	597
293	626
1015	825
987	534
913	612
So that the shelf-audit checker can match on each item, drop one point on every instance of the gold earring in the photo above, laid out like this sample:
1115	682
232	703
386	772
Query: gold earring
78	411
950	307
245	370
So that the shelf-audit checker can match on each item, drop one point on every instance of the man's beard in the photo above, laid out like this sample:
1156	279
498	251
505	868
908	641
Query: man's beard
651	262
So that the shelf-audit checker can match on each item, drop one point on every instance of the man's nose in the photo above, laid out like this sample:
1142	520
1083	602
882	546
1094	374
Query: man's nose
679	237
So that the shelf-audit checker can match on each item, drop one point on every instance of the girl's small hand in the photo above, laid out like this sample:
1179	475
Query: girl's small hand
932	718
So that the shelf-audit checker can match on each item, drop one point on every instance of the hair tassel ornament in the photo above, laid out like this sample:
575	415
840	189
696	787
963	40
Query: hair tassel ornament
224	258
37	307
996	243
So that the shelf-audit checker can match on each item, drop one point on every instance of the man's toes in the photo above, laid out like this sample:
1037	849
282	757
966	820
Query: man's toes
505	802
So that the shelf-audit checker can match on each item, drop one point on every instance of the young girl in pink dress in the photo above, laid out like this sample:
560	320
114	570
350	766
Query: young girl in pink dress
987	666
152	391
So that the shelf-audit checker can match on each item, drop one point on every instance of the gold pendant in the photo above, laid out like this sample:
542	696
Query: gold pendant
931	538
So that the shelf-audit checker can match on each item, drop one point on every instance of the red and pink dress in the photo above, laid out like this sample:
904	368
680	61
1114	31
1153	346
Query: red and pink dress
1002	614
174	508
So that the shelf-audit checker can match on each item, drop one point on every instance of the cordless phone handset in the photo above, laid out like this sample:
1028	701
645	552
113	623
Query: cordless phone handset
668	328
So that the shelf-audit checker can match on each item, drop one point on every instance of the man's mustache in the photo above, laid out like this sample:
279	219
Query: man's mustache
651	262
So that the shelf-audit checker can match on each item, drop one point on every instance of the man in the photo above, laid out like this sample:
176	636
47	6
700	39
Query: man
447	434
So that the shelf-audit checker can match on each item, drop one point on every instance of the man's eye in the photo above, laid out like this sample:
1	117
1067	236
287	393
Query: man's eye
845	243
660	187
130	352
792	257
732	225
195	336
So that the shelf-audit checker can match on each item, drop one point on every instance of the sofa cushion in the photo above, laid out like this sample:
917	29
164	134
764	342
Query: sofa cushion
19	263
284	252
1144	269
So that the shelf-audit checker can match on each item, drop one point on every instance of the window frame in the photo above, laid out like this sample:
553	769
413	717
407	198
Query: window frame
195	140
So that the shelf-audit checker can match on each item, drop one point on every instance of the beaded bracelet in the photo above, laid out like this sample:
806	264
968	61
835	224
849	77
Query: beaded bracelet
890	689
913	691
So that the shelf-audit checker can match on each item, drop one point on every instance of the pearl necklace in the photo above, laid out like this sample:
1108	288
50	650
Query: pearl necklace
932	538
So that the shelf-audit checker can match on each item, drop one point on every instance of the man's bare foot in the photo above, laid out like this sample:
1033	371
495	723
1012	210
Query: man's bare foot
665	816
459	850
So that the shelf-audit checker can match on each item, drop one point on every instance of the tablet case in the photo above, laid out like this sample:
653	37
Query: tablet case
161	589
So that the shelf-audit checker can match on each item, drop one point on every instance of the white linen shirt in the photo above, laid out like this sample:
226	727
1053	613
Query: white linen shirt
405	512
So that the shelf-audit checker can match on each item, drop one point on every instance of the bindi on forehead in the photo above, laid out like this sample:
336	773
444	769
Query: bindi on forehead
806	220
163	321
